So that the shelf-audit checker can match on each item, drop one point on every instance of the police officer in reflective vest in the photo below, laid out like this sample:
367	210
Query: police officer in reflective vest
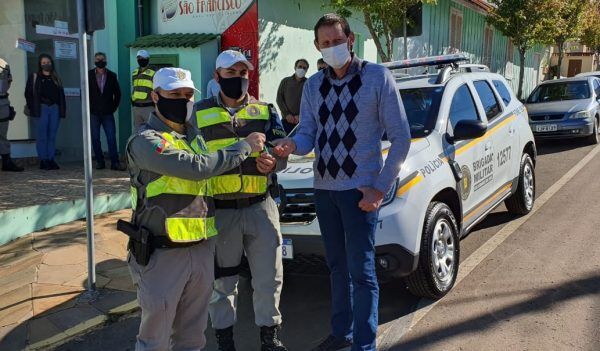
246	217
7	114
141	81
171	235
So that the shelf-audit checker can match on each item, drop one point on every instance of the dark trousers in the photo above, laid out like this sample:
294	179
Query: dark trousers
108	123
349	237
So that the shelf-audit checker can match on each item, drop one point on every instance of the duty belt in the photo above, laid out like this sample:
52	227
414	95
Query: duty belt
3	96
239	203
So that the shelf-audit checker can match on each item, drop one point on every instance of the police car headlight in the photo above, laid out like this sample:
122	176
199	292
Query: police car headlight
580	115
391	195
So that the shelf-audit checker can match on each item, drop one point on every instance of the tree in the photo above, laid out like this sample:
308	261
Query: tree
569	25
526	22
381	17
590	34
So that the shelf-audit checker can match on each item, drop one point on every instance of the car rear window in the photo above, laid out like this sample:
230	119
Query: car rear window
421	106
503	91
559	92
488	99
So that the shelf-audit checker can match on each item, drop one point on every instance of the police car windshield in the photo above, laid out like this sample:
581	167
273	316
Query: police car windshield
421	106
559	92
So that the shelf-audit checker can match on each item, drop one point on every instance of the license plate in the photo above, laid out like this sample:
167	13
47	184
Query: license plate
546	128
287	250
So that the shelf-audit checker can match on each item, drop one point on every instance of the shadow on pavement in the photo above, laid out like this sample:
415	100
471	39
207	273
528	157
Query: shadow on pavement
545	147
544	300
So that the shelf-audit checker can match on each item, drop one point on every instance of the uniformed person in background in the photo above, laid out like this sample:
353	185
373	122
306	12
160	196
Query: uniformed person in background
247	217
7	114
141	81
171	248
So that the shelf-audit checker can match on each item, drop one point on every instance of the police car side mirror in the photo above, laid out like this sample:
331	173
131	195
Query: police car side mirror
468	129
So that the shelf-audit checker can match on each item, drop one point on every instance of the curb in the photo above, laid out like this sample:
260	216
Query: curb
84	327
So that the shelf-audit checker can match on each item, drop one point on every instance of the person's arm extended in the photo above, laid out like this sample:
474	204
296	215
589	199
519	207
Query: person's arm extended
393	118
153	153
307	128
275	131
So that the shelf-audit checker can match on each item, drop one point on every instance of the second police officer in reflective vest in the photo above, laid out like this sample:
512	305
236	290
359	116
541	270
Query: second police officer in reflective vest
141	82
171	235
246	217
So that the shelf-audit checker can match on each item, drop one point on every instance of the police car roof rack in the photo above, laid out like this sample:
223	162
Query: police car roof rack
444	62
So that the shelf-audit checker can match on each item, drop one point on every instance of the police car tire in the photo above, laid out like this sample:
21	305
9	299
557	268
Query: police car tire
517	202
593	139
423	281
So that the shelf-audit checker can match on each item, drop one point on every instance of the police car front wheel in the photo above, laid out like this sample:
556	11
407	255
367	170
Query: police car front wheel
521	202
439	255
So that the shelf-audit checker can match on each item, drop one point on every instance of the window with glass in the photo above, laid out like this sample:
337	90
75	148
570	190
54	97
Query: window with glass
488	99
422	106
503	91
560	92
462	107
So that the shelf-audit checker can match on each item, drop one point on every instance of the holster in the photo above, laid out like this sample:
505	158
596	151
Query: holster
274	186
140	241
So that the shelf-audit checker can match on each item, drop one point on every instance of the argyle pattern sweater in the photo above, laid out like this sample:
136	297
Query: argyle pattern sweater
343	120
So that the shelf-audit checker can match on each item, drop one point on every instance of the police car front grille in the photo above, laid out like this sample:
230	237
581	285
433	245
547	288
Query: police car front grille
298	206
550	117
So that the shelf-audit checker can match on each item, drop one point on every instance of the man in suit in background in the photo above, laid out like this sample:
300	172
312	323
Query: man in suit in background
105	96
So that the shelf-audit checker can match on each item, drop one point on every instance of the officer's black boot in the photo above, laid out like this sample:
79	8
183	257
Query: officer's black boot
225	339
8	164
269	339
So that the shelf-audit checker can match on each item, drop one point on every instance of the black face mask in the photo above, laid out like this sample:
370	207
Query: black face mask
47	67
143	62
100	64
235	87
175	110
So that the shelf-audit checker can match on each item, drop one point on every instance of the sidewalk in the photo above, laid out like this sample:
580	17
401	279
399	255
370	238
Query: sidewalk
37	199
43	277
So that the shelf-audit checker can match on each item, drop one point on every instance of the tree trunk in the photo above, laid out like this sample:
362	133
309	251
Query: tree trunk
561	53
376	39
521	71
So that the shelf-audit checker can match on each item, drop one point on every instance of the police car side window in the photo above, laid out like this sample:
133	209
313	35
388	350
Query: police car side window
462	106
488	99
503	91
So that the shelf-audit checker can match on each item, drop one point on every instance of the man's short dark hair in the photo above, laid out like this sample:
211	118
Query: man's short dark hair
320	61
100	53
301	60
331	19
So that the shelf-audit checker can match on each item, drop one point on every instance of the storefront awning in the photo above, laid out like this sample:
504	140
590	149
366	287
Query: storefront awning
172	40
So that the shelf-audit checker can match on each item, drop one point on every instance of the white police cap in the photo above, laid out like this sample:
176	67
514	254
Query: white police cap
229	58
171	78
143	53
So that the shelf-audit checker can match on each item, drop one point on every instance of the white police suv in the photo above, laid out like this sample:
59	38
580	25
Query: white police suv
472	149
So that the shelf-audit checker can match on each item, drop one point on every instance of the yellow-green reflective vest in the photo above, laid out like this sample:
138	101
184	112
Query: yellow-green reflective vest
142	85
187	204
220	130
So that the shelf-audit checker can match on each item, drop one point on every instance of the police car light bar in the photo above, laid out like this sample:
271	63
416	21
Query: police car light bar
427	61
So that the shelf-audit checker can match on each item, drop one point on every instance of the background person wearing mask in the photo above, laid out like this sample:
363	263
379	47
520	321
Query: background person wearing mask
350	182
45	98
173	274
246	216
7	114
290	93
321	65
105	96
141	81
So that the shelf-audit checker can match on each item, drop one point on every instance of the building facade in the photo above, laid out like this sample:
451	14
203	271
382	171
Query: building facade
191	33
577	58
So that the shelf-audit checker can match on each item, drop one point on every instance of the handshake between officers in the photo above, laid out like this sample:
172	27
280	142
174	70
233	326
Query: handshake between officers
201	177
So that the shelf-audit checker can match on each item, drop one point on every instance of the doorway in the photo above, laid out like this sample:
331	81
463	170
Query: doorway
574	68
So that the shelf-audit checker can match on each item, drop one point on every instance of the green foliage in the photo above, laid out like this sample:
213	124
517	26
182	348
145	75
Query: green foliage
381	17
590	33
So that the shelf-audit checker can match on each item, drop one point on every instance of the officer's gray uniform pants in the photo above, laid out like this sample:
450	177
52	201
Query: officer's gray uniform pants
174	290
255	230
141	115
4	143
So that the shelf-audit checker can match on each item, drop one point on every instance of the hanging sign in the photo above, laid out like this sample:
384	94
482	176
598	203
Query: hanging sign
65	50
25	45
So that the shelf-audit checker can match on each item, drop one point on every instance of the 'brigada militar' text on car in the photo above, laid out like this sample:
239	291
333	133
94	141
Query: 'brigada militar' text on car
471	150
566	108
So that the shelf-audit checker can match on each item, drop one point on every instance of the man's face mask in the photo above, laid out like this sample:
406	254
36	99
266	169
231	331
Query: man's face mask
175	110
100	64
143	62
235	87
336	56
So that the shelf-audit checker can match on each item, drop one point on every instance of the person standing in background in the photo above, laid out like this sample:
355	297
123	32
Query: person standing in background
212	88
105	95
141	81
289	95
45	98
7	114
321	65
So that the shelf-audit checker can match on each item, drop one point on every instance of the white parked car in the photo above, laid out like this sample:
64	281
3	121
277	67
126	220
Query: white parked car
472	149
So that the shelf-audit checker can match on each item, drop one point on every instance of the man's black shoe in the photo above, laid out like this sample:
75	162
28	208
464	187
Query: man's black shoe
269	339
333	344
8	165
100	165
117	167
225	339
44	165
53	165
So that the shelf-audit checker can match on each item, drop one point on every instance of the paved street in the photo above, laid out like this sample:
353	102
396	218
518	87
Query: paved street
539	290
